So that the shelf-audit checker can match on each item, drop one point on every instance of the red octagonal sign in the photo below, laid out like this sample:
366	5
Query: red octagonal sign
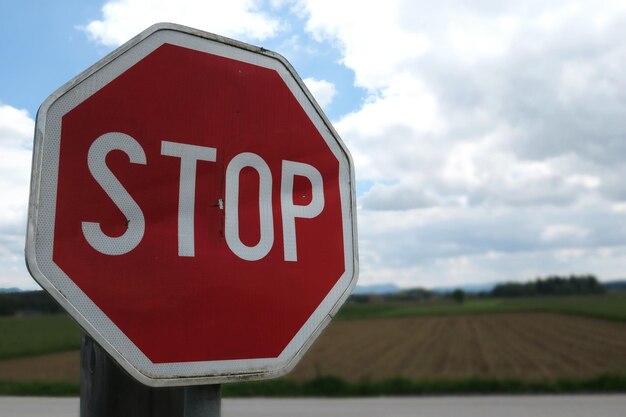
192	208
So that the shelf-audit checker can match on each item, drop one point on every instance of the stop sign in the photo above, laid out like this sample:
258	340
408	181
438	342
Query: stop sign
192	208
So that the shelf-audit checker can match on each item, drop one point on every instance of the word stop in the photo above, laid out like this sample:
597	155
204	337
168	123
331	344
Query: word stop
189	156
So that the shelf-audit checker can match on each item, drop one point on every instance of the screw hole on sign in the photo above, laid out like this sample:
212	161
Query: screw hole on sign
302	190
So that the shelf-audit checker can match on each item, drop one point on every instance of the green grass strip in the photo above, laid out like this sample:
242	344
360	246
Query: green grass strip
607	307
40	388
331	386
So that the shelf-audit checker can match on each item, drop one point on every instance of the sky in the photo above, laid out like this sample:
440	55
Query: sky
488	138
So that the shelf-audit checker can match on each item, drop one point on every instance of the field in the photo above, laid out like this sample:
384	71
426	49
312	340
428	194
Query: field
519	346
526	346
504	345
60	366
28	336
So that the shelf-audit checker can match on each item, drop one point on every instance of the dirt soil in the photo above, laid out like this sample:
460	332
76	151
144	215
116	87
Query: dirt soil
64	366
522	346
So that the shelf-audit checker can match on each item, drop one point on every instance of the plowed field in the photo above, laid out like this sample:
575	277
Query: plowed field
524	346
521	346
64	366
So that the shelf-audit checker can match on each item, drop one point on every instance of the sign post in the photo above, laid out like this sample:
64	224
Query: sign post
203	401
107	390
193	209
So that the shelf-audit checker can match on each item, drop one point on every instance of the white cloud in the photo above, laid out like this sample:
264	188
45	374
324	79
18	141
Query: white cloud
16	128
323	91
123	19
489	128
397	196
568	232
369	35
16	136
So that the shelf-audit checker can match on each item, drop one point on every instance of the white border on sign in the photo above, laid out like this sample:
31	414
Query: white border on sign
42	206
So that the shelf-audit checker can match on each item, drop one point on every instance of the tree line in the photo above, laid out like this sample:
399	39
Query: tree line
27	302
552	285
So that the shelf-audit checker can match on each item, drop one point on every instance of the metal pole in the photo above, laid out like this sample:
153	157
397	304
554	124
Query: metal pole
203	401
106	390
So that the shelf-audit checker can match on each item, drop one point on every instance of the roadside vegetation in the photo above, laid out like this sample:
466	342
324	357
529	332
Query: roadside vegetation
332	386
40	388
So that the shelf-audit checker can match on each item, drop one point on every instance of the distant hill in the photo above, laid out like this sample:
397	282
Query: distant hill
619	285
9	290
468	288
390	288
377	289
